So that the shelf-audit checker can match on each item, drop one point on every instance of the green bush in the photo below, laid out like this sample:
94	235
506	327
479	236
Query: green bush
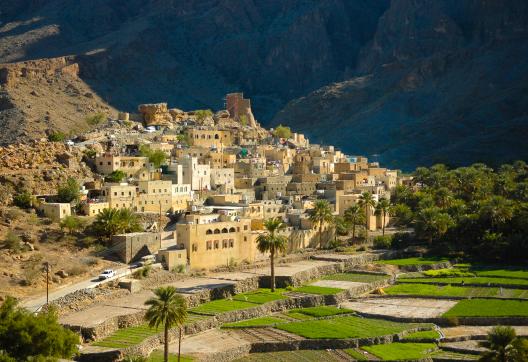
401	240
25	336
56	136
96	119
12	242
282	131
69	191
116	176
179	269
382	242
23	200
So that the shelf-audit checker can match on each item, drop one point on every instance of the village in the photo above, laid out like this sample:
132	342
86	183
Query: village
219	177
274	248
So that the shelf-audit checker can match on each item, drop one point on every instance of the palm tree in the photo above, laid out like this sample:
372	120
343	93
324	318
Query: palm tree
272	242
354	215
383	208
366	200
169	309
504	346
320	214
431	223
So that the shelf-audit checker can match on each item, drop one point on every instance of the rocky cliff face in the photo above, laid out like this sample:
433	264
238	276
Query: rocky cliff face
415	81
441	81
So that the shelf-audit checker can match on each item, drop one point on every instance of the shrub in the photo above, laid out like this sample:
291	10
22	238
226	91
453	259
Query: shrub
76	270
96	119
32	269
71	223
179	269
401	240
115	176
25	336
202	114
56	136
382	242
14	214
69	191
23	200
12	242
282	131
143	272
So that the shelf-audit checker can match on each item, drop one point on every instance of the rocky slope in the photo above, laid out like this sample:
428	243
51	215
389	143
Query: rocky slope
415	81
442	81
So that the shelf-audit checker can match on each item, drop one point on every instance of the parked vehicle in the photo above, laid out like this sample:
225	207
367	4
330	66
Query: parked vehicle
107	274
147	260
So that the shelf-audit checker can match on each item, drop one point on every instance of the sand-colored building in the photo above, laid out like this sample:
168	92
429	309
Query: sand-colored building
214	240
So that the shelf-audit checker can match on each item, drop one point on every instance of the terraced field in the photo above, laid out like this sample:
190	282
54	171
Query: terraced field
420	289
345	327
356	277
488	308
127	337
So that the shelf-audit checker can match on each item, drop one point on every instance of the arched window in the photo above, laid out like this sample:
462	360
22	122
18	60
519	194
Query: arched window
216	136
203	136
209	232
224	231
217	231
232	230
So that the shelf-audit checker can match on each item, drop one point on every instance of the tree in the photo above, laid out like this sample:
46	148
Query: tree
504	346
110	222
69	191
271	242
167	308
157	157
443	197
431	223
383	208
402	213
96	119
366	201
202	114
496	211
282	131
354	215
320	214
116	176
71	223
25	336
24	200
56	136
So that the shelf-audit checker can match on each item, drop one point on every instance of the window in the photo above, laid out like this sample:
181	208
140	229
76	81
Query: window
224	231
217	231
208	245
245	227
232	230
224	244
231	243
194	247
216	244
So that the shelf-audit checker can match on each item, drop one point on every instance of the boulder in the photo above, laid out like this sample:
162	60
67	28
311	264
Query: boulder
62	273
156	114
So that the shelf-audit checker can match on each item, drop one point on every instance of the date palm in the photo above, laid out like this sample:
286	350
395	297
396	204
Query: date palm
320	214
167	308
383	209
272	242
504	346
354	215
366	201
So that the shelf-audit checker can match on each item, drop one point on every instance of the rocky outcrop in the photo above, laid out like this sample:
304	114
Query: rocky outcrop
155	114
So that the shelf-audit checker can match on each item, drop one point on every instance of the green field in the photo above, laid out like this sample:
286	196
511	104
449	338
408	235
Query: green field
401	351
414	261
127	337
260	296
356	355
455	291
344	327
255	322
291	356
432	334
321	311
502	273
239	301
221	305
157	356
469	280
313	289
488	308
356	277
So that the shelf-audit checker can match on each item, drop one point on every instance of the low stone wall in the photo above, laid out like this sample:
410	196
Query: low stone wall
424	267
301	277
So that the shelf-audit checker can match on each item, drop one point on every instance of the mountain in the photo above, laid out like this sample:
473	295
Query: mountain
442	81
409	81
